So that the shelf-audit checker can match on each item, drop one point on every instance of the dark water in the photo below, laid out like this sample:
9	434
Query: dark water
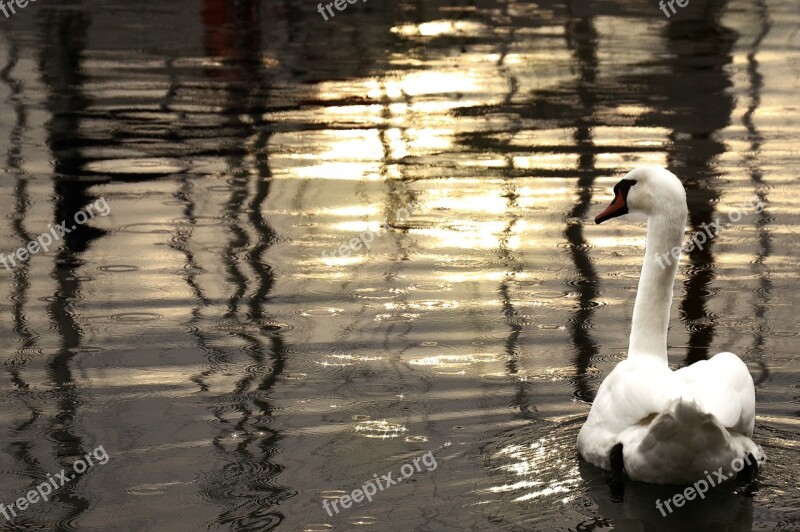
237	378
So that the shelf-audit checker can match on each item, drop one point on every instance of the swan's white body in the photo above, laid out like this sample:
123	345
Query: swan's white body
675	427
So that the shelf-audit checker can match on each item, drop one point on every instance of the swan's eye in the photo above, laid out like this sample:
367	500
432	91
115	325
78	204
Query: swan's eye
624	186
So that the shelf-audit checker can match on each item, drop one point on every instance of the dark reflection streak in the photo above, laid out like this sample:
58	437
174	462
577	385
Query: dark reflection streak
218	41
693	307
15	88
183	237
397	197
60	64
700	48
512	318
181	243
185	194
237	243
258	418
265	283
511	263
233	34
582	38
22	450
508	73
752	161
21	284
172	88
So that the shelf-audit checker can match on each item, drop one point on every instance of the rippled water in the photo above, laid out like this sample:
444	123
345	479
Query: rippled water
242	359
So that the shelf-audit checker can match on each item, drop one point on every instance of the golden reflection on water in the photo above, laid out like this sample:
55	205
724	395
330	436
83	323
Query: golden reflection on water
380	429
347	360
534	464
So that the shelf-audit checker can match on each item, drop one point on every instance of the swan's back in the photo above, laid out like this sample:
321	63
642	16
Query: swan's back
673	425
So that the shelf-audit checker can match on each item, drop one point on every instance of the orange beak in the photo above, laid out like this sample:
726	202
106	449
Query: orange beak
618	207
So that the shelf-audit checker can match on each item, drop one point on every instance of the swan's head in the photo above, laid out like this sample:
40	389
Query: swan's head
646	191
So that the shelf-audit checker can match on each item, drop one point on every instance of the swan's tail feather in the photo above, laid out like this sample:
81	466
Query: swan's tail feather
682	442
686	410
686	422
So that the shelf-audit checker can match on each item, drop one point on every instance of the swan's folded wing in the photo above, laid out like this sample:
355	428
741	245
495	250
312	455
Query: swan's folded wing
724	388
632	395
634	391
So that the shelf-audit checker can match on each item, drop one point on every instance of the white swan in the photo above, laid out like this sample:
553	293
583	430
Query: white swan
674	427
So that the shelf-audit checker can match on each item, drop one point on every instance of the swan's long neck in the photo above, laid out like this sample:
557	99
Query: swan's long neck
654	295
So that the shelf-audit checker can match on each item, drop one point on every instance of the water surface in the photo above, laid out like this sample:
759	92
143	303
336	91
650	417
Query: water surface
240	367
